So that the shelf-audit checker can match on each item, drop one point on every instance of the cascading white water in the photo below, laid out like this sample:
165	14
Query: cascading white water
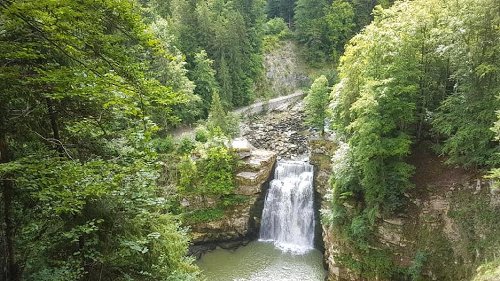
288	216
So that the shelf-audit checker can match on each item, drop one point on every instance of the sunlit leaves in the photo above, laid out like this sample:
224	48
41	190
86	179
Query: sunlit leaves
316	104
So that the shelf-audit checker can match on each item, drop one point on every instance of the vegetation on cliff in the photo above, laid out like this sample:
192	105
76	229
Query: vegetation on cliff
423	70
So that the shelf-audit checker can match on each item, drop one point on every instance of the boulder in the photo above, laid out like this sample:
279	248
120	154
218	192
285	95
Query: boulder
242	147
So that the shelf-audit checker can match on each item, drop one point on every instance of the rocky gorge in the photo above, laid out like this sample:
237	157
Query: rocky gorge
240	220
449	227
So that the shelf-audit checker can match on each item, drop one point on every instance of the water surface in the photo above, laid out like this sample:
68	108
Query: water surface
261	261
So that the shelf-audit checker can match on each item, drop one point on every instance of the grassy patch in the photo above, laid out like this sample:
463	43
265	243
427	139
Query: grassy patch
232	200
203	215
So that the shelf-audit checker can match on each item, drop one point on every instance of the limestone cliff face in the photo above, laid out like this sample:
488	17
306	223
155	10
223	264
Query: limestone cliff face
283	70
321	153
241	220
451	218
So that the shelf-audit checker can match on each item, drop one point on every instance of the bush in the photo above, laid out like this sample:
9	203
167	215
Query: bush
185	146
201	134
213	174
218	170
164	145
278	28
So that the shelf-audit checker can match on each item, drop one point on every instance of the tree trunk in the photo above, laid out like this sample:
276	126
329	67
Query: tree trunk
53	119
10	270
55	128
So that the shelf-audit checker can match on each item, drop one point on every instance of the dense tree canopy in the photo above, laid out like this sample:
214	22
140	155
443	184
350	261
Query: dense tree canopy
325	26
86	86
230	32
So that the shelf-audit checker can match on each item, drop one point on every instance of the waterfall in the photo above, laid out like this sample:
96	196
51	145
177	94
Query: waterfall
288	216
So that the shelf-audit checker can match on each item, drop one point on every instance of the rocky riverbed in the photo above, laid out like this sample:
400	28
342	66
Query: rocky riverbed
281	131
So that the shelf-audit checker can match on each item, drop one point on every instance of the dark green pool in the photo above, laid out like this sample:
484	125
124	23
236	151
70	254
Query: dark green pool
261	261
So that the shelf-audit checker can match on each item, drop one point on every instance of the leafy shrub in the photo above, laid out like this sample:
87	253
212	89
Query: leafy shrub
201	134
185	146
164	145
212	174
188	174
278	28
218	168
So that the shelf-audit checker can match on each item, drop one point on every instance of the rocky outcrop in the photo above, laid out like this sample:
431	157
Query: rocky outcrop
241	219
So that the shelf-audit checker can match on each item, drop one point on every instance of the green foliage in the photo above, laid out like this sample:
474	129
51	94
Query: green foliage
324	28
163	145
374	264
316	104
277	27
338	21
281	8
233	199
203	215
308	26
201	134
218	171
494	174
363	10
417	266
220	120
276	31
203	76
78	147
231	34
185	146
467	113
81	227
211	175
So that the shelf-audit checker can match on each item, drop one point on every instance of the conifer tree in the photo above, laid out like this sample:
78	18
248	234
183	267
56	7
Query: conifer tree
203	75
220	120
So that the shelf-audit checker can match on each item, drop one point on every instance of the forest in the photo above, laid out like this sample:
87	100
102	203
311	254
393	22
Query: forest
93	177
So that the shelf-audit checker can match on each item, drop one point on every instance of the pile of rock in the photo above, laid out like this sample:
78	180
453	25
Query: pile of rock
282	132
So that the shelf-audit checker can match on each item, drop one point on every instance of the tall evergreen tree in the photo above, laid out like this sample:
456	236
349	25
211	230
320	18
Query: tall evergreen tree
281	8
219	120
203	76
